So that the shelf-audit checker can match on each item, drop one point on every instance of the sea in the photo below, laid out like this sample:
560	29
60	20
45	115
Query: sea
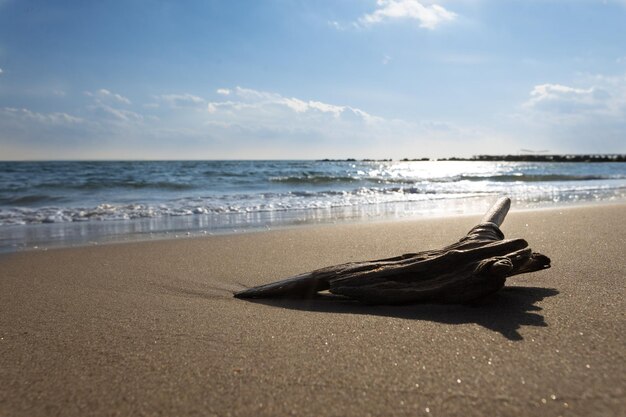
49	204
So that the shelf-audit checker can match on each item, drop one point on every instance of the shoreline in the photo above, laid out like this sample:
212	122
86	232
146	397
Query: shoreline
521	157
195	232
152	328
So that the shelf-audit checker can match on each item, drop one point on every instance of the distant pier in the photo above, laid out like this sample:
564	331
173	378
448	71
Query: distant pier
548	158
509	158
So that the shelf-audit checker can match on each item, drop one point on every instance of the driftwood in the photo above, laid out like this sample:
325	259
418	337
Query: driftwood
465	271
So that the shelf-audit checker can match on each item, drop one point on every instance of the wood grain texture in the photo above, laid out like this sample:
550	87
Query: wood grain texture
465	271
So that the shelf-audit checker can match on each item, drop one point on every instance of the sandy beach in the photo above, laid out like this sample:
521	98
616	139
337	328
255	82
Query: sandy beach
151	328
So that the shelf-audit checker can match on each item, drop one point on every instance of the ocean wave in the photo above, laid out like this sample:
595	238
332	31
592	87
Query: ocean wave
407	180
314	179
536	177
77	192
250	205
494	178
117	184
29	199
212	173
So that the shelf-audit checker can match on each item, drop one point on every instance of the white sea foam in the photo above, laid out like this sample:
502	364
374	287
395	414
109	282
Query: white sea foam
302	201
121	198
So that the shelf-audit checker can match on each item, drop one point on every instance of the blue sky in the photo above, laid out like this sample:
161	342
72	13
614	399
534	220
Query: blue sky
274	79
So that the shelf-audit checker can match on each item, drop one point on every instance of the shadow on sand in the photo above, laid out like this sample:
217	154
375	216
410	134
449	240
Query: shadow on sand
504	312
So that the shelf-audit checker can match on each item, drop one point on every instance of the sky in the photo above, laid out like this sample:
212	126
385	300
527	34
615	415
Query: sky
309	79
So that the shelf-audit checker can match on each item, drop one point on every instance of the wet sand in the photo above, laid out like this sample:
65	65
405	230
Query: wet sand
152	328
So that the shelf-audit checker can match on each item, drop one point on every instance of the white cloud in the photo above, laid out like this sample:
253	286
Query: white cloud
105	109
107	115
28	134
428	16
111	113
335	24
106	95
267	104
1	71
101	131
182	100
117	97
223	91
606	98
252	95
247	123
343	26
588	116
306	128
211	108
55	118
560	96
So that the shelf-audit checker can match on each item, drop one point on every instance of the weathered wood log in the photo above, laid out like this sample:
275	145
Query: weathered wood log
472	268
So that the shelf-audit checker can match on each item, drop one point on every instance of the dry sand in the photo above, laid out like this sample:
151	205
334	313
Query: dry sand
152	329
